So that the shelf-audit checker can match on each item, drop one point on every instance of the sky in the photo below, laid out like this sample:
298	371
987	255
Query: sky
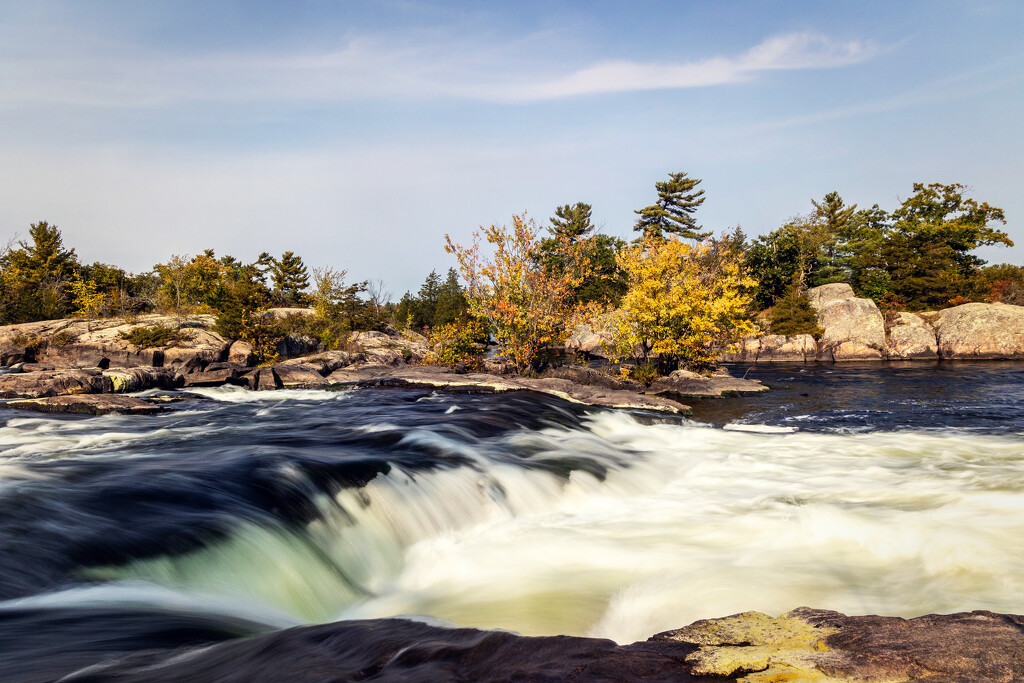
357	134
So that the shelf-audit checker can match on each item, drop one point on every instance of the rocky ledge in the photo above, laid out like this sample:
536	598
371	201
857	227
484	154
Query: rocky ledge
802	645
56	359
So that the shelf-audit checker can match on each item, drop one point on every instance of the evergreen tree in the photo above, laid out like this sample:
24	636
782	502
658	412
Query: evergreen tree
793	314
572	221
37	277
673	213
452	305
290	278
834	220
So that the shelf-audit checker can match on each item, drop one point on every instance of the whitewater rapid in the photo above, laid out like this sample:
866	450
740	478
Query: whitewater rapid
592	523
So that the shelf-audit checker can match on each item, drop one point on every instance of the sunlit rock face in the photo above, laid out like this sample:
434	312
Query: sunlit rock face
854	328
978	330
911	337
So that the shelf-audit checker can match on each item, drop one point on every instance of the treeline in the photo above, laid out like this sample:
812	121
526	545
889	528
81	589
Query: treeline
675	295
41	279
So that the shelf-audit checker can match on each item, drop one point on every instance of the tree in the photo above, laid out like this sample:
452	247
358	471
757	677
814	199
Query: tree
834	221
572	221
571	225
37	276
673	212
527	307
290	278
793	314
676	307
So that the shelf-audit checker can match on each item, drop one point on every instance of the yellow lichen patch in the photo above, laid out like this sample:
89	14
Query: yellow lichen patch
763	649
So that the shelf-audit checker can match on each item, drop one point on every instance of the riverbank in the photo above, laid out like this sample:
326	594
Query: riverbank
49	361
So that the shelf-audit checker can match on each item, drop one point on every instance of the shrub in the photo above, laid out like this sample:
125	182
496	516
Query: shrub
793	314
453	344
644	373
63	338
149	337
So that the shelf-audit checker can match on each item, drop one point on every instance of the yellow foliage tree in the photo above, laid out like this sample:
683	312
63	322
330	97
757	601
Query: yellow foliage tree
527	307
681	303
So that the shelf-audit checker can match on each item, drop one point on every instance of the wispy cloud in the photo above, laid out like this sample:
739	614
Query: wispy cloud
791	51
367	68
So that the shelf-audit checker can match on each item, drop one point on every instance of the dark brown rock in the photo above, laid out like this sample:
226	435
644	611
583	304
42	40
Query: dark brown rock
299	376
683	384
211	378
267	380
54	383
90	404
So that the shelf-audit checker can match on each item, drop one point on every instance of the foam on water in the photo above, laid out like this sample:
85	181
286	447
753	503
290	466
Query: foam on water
623	529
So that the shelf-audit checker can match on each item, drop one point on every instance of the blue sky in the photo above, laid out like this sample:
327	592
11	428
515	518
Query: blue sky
358	133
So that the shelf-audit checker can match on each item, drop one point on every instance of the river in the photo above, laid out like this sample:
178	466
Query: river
895	489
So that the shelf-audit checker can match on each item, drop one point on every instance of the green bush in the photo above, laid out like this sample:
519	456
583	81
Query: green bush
793	314
150	337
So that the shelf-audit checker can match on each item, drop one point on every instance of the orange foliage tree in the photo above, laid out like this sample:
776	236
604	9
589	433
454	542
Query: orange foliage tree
526	306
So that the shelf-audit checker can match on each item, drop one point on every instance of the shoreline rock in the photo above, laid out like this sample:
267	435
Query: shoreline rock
802	645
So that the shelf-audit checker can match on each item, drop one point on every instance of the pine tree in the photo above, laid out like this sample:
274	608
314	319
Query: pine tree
37	277
793	314
572	221
835	221
673	213
290	278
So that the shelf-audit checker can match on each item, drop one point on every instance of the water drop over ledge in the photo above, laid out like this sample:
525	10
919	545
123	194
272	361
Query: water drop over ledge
522	512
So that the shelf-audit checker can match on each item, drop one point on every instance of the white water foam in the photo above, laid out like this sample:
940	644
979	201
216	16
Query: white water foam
690	522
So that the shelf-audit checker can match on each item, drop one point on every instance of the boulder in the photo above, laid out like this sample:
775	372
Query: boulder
685	384
910	338
240	352
128	380
835	291
585	340
590	377
212	378
378	347
981	331
854	329
267	380
299	376
54	383
297	345
92	404
777	348
197	345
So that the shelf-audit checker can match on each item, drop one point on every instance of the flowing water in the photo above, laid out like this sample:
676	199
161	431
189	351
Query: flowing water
893	489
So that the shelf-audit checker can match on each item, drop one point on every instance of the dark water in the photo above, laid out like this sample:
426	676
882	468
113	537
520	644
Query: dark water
984	397
127	543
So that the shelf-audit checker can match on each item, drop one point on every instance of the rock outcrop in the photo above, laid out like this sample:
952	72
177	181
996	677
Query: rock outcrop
802	645
854	328
981	331
89	404
911	337
774	348
820	645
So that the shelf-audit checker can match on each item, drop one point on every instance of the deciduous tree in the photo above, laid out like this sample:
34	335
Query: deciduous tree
678	308
526	306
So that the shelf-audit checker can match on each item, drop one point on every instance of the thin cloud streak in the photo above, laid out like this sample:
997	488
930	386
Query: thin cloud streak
372	68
